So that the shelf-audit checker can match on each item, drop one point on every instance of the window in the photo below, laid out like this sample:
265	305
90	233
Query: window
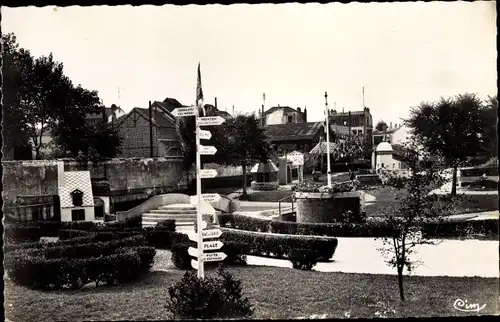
290	118
393	165
77	197
382	165
78	214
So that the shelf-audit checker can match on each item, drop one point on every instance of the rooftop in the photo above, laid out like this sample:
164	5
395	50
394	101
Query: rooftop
286	109
293	131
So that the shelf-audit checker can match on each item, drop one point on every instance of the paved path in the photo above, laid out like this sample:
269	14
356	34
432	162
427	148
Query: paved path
449	258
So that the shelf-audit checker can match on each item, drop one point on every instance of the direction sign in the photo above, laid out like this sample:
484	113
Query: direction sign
214	257
208	173
194	263
205	135
210	120
207	150
210	197
211	233
212	245
184	111
193	251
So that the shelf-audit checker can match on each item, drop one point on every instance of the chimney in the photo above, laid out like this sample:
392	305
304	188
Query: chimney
390	125
298	109
305	114
332	112
216	103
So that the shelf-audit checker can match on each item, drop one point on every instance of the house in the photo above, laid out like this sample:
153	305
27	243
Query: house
109	114
283	115
75	195
134	129
389	157
295	136
393	135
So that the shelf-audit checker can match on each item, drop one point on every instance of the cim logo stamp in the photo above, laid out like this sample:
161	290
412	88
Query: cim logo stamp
466	306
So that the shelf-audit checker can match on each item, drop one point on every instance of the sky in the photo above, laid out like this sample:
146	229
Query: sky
401	53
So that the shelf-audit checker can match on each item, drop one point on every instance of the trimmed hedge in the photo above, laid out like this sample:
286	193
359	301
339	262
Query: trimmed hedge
304	259
181	257
168	224
65	234
164	239
146	255
487	227
276	245
24	232
58	273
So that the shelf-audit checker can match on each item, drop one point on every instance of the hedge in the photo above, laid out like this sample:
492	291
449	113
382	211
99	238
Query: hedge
25	232
58	273
65	234
235	252
487	227
276	245
146	255
163	239
168	224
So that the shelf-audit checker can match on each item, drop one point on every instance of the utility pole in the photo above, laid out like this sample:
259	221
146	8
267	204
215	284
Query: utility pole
327	142
150	130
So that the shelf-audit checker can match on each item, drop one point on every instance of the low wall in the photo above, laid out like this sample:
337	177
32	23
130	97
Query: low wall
371	179
29	178
264	186
325	207
152	203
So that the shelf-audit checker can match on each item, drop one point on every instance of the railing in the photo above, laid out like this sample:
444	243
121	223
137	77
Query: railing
283	200
34	212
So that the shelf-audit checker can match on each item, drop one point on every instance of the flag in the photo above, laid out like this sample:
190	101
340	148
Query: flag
199	91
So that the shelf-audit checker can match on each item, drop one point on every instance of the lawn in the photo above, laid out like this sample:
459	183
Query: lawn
275	292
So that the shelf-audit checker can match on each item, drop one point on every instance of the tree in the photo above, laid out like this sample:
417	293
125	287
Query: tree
451	128
349	149
489	119
405	218
381	126
246	144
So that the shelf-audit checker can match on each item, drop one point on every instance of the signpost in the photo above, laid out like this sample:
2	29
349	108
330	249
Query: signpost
207	150
208	173
184	111
203	174
205	135
210	120
210	197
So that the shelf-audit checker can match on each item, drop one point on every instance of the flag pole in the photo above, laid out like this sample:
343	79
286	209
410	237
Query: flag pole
199	98
327	143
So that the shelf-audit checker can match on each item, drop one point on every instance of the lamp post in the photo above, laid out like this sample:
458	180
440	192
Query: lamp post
329	178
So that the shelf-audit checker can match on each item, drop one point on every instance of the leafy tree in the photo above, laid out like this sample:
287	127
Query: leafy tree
246	144
350	149
489	118
405	218
381	126
451	128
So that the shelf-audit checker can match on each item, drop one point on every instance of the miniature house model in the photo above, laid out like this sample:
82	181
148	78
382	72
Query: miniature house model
265	176
75	193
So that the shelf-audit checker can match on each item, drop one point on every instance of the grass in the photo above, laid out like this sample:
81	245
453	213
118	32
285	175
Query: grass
275	292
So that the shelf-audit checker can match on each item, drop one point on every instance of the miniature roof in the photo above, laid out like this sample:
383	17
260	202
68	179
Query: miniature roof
384	147
76	180
321	148
267	167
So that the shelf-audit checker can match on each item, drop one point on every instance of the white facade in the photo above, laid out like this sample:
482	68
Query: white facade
73	181
384	158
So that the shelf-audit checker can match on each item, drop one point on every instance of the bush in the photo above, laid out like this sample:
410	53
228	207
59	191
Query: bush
38	272
22	232
72	233
438	229
235	252
164	239
180	256
146	255
209	298
168	224
50	228
275	245
304	259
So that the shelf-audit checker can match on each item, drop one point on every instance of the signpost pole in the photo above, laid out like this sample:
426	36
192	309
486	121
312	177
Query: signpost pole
201	271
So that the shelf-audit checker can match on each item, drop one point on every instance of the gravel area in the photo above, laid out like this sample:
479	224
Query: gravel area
163	261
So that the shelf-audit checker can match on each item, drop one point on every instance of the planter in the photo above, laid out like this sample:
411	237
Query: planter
264	186
324	207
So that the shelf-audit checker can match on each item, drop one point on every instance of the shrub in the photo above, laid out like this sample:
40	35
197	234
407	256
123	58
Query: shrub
209	298
72	233
437	229
168	224
22	232
146	255
304	259
180	256
283	227
50	228
164	239
235	252
38	272
276	245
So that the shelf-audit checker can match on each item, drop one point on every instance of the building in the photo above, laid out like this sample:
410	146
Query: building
389	157
107	114
291	137
394	135
75	195
360	123
135	129
283	115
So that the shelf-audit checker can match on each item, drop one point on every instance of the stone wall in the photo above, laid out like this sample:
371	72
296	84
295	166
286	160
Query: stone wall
137	173
325	208
29	178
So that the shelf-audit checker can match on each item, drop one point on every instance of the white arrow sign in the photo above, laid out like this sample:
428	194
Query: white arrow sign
212	245
205	135
184	111
210	120
208	173
193	251
214	257
211	233
194	263
210	197
207	150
